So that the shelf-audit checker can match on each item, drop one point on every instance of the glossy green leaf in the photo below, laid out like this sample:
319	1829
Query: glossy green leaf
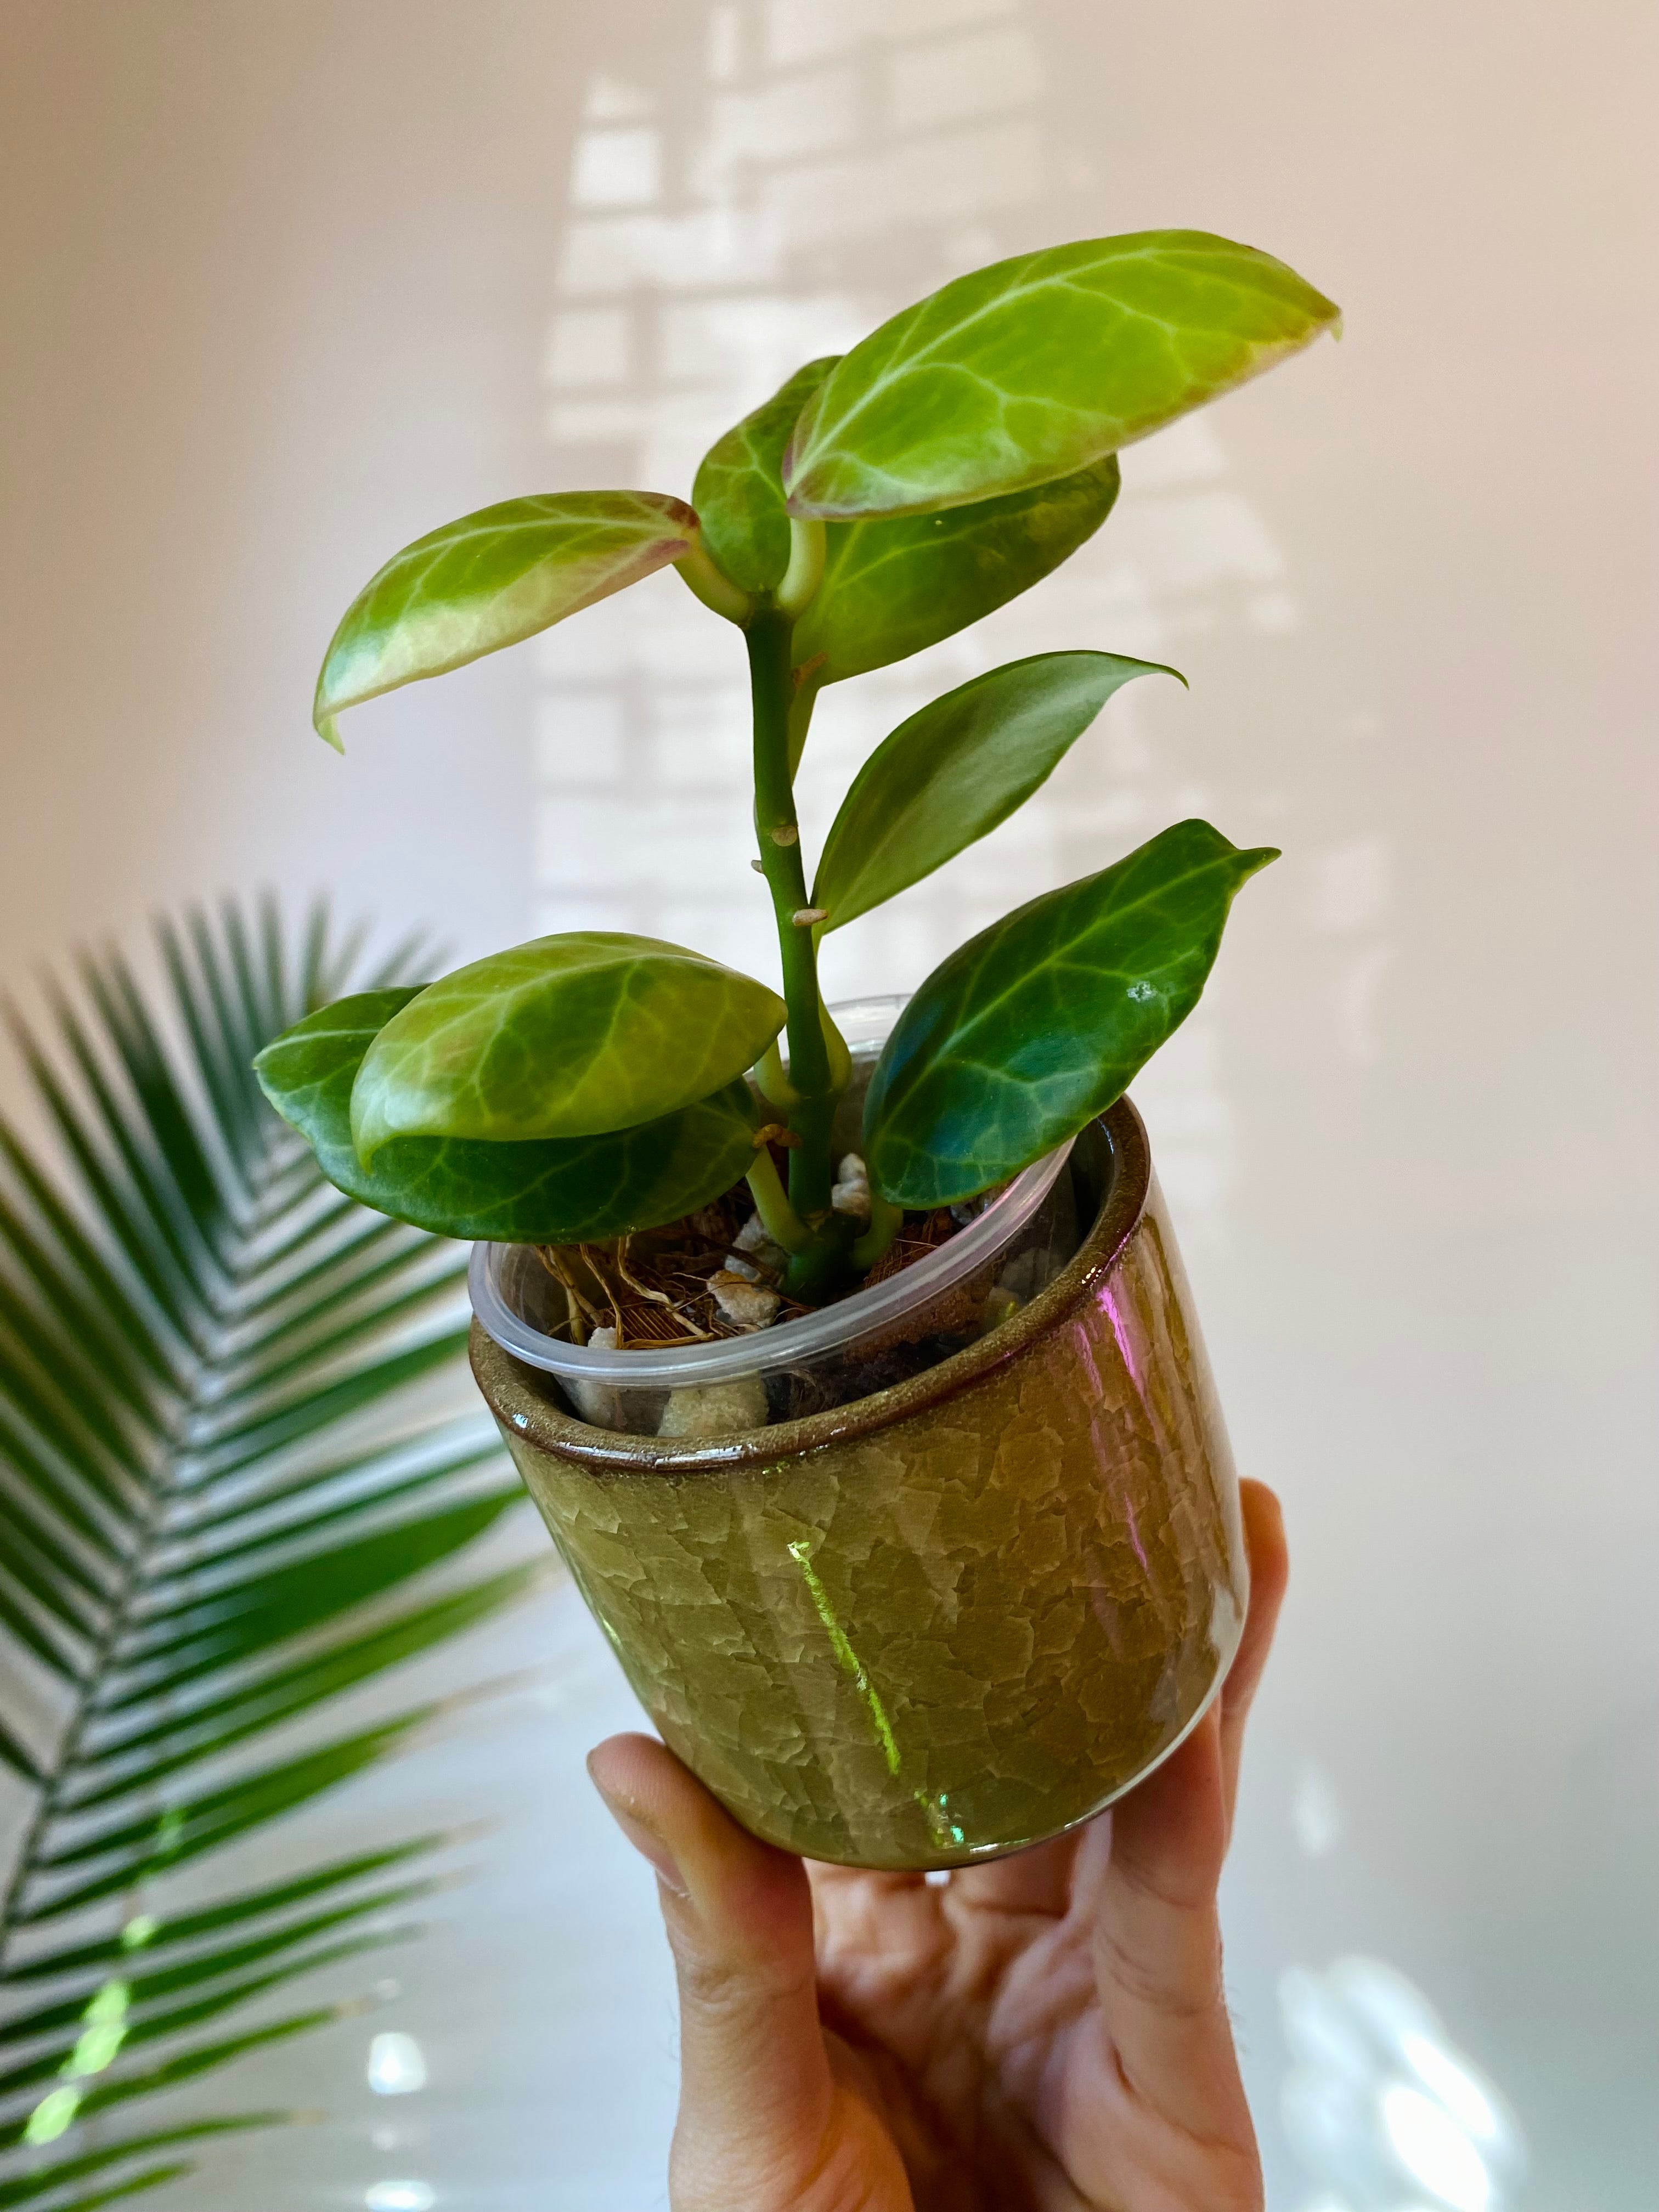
1040	1021
575	1036
1037	366
738	491
557	1191
490	579
956	768
894	584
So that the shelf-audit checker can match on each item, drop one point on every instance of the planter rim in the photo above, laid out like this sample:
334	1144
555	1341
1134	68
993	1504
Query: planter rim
804	1337
509	1385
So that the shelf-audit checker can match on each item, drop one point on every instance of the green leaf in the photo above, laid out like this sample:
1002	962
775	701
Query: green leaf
956	768
166	1981
369	1466
153	2177
738	491
178	2020
270	1603
252	1706
554	1191
49	1485
16	1754
30	2186
1039	1024
264	1375
166	1838
187	2065
79	1257
575	1036
214	1453
46	1645
255	1437
490	579
163	1937
1037	366
119	1211
895	584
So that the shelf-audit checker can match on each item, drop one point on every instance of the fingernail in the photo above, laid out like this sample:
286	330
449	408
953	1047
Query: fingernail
644	1837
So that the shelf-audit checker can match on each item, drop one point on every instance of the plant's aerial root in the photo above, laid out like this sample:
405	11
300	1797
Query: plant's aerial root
659	1286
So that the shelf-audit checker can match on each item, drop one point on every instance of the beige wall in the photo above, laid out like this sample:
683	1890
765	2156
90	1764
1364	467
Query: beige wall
285	284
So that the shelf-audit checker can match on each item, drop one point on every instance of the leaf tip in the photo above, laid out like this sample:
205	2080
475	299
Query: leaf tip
329	731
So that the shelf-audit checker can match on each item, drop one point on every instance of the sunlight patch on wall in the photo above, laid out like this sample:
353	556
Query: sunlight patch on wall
1380	2105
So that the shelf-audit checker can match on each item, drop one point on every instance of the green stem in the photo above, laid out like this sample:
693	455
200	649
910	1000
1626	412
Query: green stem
782	1222
885	1222
712	586
806	570
810	1075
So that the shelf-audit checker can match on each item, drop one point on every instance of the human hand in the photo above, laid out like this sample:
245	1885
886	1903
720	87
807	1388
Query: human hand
1046	2033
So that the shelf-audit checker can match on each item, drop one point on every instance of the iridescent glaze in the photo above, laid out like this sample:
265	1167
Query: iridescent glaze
949	1620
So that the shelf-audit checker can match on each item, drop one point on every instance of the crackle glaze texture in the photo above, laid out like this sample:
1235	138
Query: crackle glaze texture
949	1620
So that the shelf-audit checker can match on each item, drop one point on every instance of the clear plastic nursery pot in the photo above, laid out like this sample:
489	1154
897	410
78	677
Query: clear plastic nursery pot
943	1619
839	1352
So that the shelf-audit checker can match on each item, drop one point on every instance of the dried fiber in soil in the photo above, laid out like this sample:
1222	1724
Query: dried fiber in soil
659	1287
679	1284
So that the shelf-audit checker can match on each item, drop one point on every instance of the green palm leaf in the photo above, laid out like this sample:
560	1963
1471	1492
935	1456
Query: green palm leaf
225	1497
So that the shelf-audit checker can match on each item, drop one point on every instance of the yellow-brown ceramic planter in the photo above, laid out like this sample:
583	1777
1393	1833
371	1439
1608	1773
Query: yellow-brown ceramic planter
947	1621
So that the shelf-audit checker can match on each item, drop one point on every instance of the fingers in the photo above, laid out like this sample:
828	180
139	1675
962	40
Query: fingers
756	2090
1157	1942
1040	1880
1157	1936
1270	1567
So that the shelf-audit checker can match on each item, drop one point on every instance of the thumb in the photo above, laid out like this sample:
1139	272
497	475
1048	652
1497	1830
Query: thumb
755	2094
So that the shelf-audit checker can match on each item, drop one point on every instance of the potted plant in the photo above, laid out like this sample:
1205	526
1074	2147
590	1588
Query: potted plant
849	1359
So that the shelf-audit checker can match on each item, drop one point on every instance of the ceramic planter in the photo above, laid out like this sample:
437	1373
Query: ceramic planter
949	1619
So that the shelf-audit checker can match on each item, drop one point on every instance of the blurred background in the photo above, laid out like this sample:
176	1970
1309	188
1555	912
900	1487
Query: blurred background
285	285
